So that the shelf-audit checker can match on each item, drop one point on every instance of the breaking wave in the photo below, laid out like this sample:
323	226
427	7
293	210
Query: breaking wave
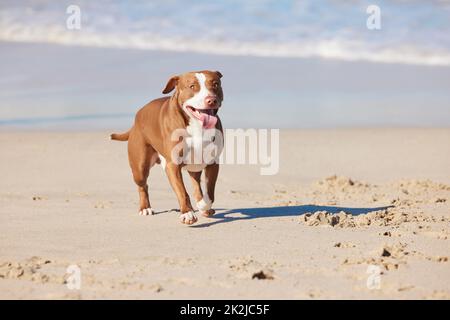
417	33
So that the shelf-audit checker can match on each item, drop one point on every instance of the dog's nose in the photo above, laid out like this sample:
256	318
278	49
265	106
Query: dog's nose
211	101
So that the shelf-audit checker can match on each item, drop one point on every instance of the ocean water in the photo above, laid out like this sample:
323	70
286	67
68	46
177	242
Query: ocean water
413	31
292	64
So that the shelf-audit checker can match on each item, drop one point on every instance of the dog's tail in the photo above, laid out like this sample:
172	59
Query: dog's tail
120	136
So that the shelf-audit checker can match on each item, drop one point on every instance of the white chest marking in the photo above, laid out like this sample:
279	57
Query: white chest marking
195	140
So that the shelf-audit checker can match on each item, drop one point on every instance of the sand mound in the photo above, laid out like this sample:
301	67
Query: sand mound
339	183
318	218
405	196
389	257
418	186
420	191
29	269
385	217
405	193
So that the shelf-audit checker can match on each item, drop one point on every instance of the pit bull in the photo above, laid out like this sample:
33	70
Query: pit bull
193	107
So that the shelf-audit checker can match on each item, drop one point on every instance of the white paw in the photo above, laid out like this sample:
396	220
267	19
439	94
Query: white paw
204	204
188	217
146	212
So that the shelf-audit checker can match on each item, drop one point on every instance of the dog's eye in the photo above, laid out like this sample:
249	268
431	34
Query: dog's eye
215	85
192	86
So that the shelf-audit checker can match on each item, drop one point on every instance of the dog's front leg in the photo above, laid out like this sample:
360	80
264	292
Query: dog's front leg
198	193
176	181
211	173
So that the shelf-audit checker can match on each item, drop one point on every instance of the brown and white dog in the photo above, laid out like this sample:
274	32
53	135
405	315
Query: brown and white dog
193	107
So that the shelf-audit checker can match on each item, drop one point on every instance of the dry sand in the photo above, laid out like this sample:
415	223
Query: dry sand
344	200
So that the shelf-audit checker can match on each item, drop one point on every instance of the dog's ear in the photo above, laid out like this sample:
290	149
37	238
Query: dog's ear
219	74
171	84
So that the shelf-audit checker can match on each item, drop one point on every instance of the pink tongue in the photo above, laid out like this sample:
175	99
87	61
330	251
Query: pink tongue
208	121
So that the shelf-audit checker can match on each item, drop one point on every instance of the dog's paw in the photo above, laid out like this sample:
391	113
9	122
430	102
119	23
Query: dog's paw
188	217
204	204
146	212
207	213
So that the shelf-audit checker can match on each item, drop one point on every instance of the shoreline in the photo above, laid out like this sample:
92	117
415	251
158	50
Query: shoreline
306	93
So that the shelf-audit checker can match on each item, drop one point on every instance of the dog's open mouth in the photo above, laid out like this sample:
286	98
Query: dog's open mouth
206	116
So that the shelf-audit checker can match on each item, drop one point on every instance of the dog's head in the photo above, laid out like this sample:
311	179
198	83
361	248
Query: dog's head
199	94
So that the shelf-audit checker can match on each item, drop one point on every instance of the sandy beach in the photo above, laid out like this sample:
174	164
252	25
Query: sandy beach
344	201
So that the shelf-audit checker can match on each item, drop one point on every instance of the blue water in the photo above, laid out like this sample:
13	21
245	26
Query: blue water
415	32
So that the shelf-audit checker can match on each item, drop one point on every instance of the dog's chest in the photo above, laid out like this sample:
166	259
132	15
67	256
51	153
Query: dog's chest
195	146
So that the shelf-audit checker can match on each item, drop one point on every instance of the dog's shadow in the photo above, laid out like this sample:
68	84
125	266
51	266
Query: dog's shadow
282	211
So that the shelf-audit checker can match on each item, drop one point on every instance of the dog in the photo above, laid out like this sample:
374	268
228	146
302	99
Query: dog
192	108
